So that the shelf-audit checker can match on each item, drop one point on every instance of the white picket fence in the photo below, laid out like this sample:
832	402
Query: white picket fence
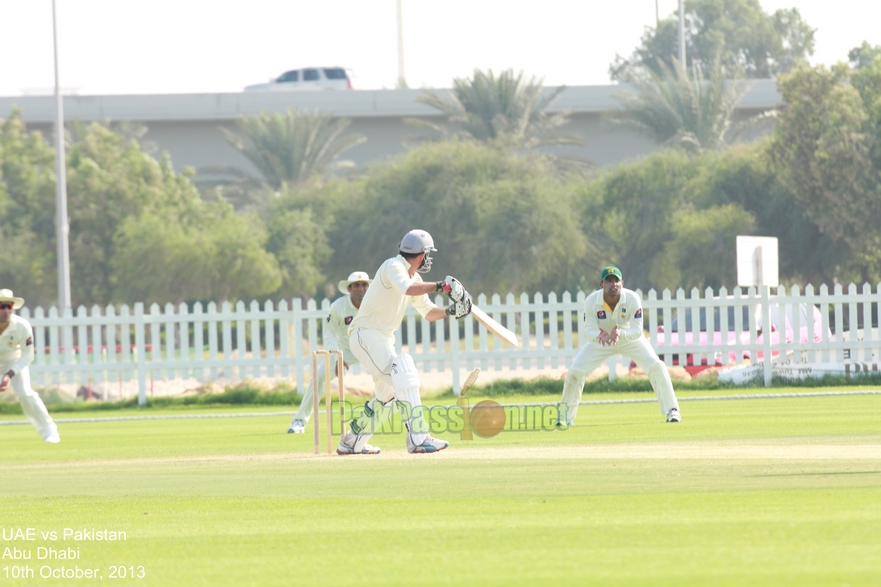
237	342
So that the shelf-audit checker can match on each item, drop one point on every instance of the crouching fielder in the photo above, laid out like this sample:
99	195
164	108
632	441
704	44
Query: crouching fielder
16	353
613	317
336	338
372	342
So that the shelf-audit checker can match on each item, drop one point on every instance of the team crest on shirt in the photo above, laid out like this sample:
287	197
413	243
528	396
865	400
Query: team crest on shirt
638	313
601	315
29	342
348	320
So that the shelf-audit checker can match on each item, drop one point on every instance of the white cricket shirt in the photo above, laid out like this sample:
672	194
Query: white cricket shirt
627	315
16	345
386	300
336	327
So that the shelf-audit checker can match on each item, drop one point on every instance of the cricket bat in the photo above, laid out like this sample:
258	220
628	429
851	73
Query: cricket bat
494	327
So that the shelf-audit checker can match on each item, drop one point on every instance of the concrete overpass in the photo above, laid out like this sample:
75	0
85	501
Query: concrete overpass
187	126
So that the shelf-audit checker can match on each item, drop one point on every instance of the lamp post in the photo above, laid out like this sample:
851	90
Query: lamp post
682	32
402	81
62	225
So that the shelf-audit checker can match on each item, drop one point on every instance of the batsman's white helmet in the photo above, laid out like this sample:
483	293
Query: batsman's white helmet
418	241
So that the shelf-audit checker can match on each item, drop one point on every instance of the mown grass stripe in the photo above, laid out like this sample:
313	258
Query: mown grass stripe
583	403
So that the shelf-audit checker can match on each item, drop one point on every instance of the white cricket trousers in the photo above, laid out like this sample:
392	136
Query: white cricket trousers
640	351
376	351
31	404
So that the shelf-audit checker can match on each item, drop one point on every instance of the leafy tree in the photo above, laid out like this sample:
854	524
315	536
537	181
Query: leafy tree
701	252
110	180
139	230
298	240
77	130
864	55
627	212
27	212
508	106
828	147
738	33
502	222
671	219
201	252
28	267
289	150
678	107
745	175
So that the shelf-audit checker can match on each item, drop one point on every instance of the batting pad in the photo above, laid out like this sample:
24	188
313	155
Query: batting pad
413	414
404	374
375	415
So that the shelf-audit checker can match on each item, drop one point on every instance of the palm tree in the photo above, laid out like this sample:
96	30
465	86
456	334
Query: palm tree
507	107
678	107
290	150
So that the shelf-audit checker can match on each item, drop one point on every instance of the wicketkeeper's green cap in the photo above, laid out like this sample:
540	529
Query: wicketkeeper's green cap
611	271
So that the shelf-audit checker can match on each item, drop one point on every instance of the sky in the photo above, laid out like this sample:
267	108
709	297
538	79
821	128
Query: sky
202	46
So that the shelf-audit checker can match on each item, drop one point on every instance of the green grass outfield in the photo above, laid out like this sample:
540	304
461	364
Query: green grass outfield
773	492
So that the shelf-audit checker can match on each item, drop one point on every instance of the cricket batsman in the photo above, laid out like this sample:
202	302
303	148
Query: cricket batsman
372	340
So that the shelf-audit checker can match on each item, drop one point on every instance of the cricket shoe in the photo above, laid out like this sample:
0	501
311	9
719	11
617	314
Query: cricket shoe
297	427
428	445
673	416
53	437
347	446
564	425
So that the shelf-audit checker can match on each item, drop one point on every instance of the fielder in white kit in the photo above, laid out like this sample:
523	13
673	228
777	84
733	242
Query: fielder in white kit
336	338
372	340
613	318
16	353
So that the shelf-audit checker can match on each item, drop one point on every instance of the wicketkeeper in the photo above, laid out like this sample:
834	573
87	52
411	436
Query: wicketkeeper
613	317
336	337
16	353
372	339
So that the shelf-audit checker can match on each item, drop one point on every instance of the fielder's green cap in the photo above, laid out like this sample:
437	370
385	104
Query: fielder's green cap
611	271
